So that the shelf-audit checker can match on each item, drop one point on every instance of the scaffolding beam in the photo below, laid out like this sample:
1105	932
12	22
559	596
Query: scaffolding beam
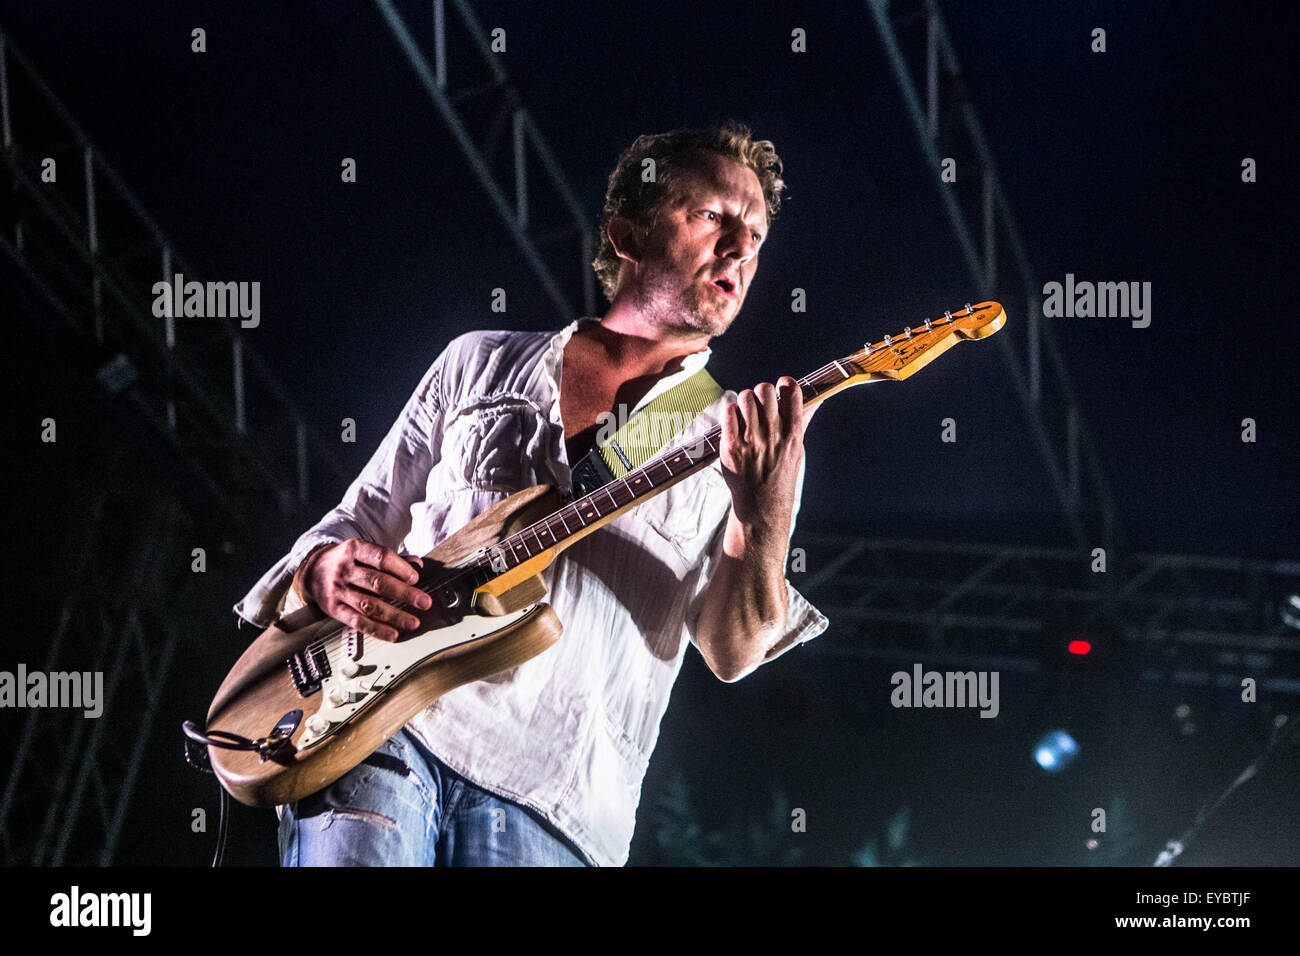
1066	448
526	142
87	256
943	600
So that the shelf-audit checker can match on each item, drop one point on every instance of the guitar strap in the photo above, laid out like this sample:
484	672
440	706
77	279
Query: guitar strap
645	433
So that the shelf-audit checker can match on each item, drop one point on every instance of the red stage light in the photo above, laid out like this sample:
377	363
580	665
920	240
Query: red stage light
1079	647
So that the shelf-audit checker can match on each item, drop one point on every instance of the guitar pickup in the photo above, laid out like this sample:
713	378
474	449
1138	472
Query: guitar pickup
309	669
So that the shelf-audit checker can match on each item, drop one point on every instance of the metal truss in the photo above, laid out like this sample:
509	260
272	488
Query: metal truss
71	778
520	216
917	44
87	255
1197	620
92	254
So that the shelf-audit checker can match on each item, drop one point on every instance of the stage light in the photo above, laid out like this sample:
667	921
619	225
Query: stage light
1056	751
1079	647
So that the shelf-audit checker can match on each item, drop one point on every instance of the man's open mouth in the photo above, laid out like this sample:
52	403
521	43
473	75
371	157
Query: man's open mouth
726	285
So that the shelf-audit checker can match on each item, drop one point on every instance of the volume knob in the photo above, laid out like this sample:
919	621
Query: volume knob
318	724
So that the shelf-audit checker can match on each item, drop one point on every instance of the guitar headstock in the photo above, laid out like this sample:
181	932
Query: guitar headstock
905	353
910	350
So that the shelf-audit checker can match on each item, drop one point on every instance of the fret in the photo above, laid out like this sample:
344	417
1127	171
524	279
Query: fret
540	547
560	515
607	491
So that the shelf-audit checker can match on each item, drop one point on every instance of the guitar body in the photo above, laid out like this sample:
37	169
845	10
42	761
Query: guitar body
485	635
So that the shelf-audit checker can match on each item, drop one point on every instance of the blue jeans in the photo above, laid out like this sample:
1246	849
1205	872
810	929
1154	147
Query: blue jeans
402	806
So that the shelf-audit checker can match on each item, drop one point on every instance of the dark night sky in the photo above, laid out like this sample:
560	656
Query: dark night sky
1119	167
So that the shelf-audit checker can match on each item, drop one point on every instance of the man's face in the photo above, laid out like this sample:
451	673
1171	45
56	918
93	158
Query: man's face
699	259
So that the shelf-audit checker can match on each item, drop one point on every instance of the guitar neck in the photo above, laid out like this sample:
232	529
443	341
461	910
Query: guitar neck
527	551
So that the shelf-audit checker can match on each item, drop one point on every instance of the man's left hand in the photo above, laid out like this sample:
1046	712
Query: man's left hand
762	448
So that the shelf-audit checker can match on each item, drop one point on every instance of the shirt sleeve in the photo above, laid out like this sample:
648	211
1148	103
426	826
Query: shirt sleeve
376	507
803	621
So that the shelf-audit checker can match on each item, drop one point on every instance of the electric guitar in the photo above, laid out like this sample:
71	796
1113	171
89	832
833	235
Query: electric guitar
311	698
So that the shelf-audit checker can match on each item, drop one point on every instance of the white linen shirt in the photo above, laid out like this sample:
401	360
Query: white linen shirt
568	733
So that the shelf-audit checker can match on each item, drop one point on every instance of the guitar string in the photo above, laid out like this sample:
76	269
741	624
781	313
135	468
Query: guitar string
480	563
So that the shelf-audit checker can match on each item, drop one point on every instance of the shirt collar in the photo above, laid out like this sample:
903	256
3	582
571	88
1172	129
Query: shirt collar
690	363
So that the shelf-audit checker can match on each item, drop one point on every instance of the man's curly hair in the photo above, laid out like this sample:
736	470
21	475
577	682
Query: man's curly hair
642	202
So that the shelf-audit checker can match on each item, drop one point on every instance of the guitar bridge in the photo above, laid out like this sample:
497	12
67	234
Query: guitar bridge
309	668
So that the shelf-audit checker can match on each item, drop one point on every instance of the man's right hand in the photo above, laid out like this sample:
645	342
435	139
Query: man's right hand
360	583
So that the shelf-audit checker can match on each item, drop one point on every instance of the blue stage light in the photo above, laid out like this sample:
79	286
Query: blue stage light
1056	751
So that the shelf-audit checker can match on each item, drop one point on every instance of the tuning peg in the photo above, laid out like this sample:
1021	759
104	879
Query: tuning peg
969	309
889	340
908	333
948	316
928	325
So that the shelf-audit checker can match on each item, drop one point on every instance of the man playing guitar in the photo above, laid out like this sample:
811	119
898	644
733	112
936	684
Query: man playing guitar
543	764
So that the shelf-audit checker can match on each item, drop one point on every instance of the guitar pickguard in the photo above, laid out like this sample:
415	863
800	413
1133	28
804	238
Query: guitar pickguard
363	668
